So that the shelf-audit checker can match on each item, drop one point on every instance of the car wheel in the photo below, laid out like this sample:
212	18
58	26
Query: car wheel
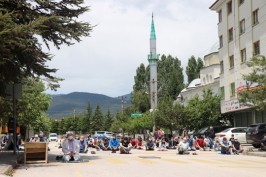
256	145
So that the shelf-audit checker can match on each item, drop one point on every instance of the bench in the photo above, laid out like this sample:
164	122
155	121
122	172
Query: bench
36	152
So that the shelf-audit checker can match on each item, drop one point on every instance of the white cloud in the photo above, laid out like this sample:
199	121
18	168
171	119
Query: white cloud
107	61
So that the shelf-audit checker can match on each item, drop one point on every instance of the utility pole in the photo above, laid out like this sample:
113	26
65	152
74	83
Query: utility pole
122	111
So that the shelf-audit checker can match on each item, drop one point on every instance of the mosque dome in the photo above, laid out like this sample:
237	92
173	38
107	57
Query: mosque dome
193	84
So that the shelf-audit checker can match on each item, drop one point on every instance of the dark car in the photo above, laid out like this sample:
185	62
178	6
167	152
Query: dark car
205	130
255	133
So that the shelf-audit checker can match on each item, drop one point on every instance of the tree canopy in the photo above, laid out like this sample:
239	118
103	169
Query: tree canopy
193	68
25	24
254	92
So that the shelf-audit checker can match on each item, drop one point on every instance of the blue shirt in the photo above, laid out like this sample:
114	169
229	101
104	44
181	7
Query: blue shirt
114	143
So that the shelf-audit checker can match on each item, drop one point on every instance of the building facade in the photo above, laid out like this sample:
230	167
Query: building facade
242	34
209	79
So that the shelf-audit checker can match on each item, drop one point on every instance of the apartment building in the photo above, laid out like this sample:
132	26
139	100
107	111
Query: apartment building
242	34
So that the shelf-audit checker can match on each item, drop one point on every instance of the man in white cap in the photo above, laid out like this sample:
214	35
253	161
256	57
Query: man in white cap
71	148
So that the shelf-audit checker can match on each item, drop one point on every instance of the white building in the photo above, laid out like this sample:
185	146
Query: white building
209	79
242	34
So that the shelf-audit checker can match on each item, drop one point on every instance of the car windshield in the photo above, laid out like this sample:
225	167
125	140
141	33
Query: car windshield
109	133
252	126
226	130
52	135
201	131
99	132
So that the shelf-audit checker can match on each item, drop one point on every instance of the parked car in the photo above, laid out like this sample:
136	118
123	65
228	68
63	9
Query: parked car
100	134
53	137
204	130
238	132
255	134
109	135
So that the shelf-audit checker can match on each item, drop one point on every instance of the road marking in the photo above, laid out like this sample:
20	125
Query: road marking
115	161
174	161
145	161
78	174
202	161
223	166
90	162
232	161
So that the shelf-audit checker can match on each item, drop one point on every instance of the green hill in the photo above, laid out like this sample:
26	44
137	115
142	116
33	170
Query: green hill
76	102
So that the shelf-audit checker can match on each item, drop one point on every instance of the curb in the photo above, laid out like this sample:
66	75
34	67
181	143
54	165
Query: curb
255	154
6	170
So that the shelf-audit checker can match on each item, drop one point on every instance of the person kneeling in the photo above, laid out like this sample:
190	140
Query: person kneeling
125	146
183	147
71	148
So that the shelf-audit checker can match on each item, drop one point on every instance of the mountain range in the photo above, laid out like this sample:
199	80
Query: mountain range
75	103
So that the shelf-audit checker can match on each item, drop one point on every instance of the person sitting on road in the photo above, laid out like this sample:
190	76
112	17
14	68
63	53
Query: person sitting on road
100	145
201	142
183	147
196	144
150	144
237	148
133	142
171	143
106	143
83	145
176	141
207	143
125	146
163	144
157	142
71	148
232	138
191	144
263	144
217	145
226	147
114	144
139	142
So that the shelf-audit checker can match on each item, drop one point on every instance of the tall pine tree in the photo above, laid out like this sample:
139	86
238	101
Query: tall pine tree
97	121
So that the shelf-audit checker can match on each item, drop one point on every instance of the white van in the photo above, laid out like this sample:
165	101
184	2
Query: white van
53	137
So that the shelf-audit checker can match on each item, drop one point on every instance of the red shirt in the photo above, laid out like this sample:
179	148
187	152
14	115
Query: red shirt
132	142
201	142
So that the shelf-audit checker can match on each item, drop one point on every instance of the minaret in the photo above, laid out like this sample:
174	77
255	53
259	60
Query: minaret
153	59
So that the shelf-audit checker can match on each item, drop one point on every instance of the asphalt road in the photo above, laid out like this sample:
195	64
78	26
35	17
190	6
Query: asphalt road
153	163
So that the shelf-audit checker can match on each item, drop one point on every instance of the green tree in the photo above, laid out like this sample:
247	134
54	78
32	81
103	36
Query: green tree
33	104
108	121
205	111
97	122
25	23
254	93
193	68
170	77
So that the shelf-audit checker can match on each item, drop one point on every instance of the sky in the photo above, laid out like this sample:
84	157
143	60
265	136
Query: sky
106	62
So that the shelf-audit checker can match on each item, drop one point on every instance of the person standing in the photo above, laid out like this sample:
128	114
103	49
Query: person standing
71	148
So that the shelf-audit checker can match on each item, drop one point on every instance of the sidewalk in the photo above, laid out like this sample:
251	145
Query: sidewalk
8	161
250	150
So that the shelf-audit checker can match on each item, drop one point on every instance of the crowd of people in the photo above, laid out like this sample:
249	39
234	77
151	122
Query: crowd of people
72	147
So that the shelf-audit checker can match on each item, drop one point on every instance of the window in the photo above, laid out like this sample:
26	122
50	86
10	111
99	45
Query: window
243	55
221	41
230	35
233	91
241	2
222	66
242	26
220	16
255	17
256	48
222	92
229	7
231	61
